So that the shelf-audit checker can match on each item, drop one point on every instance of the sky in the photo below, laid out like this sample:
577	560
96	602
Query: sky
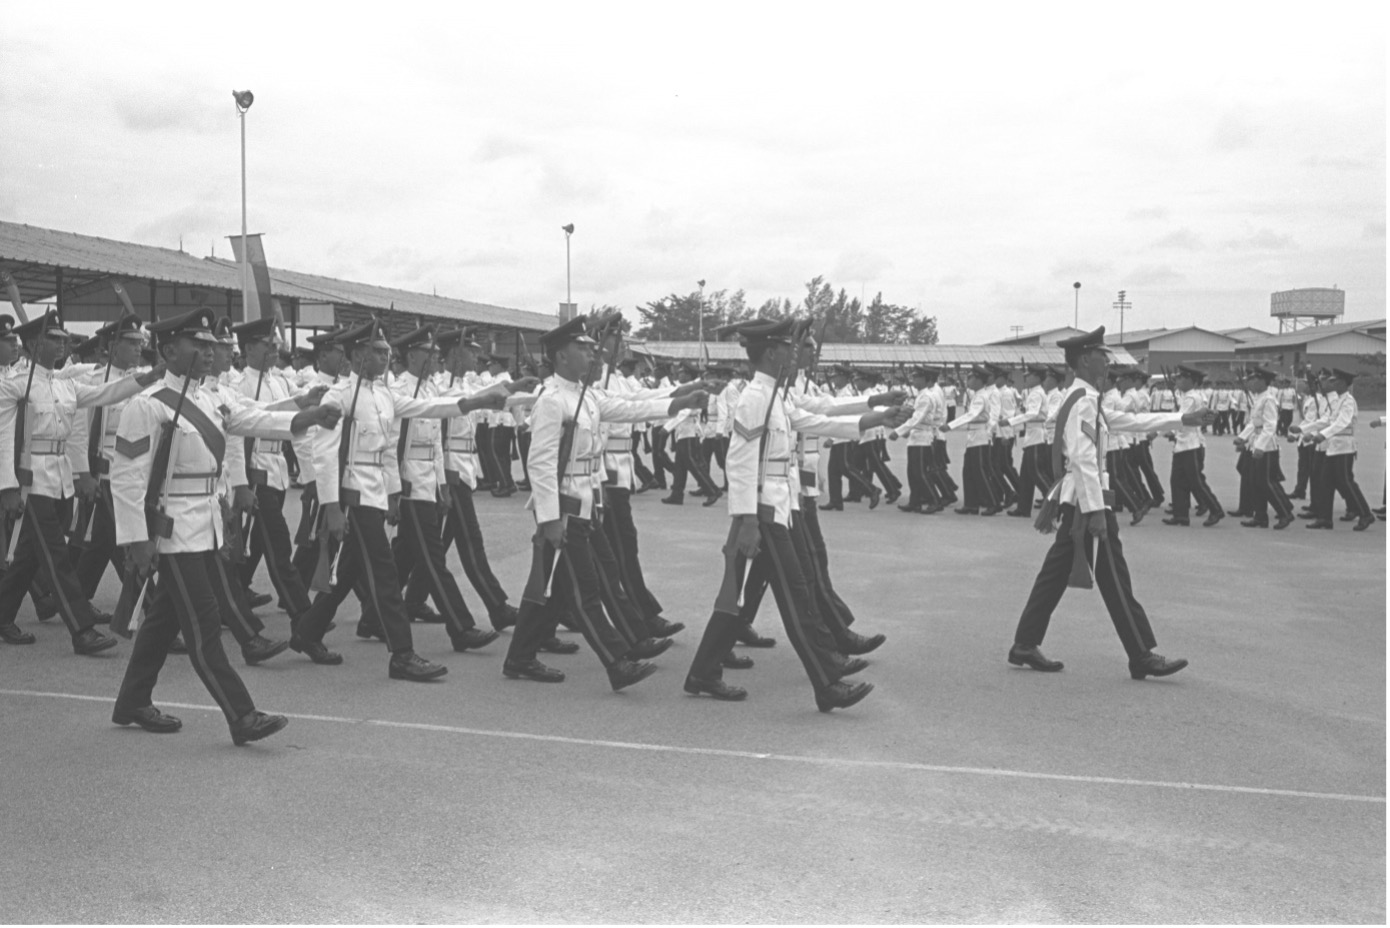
970	163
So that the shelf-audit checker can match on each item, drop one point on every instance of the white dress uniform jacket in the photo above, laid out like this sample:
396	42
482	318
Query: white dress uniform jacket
1086	480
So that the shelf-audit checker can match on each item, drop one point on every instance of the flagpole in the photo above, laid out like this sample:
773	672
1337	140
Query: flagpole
243	103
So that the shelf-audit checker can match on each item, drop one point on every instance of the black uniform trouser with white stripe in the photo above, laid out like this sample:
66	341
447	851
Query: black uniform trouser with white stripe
1144	460
779	565
422	548
502	438
1188	482
644	475
1267	479
468	542
1338	477
1029	478
874	466
1107	558
367	568
272	538
102	549
1305	469
1002	461
923	489
43	552
574	591
185	600
980	491
661	460
942	463
622	537
623	609
688	462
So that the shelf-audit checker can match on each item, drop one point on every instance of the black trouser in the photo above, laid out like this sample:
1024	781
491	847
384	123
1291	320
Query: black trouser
779	565
482	437
942	465
1305	469
1042	462
688	461
367	568
1189	481
1112	576
622	537
661	461
272	538
622	608
306	541
1003	461
1267	481
980	492
523	450
1127	495
422	548
874	465
1245	464
1129	460
42	552
922	490
1338	477
102	549
1285	420
855	463
1144	460
1030	477
839	468
468	542
232	604
574	591
185	600
712	450
502	436
644	475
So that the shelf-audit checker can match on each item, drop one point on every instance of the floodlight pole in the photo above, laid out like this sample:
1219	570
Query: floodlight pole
1076	308
568	298
245	251
702	312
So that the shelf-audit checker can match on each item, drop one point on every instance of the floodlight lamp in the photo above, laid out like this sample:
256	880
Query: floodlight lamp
568	229
1077	285
244	99
701	283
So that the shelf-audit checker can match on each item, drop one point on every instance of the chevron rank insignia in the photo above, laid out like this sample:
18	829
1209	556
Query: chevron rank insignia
748	434
1089	430
132	449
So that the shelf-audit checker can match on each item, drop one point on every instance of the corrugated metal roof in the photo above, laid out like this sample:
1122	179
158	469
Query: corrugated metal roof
30	252
1062	331
1244	333
1304	336
888	355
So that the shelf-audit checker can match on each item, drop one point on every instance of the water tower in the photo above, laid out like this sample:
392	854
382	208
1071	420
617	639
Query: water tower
1309	306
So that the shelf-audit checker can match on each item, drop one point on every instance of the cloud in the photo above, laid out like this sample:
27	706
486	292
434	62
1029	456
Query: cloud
1149	275
1337	163
1234	131
143	112
1079	268
1262	240
1147	213
951	280
1374	230
194	222
861	266
1183	238
562	183
404	265
500	147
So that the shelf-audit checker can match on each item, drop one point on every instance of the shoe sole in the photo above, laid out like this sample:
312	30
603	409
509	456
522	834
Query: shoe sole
738	695
480	644
1020	662
279	725
641	675
1166	672
656	651
152	730
523	675
417	677
852	701
106	645
280	648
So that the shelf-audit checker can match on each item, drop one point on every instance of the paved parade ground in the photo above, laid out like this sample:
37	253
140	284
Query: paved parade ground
1248	788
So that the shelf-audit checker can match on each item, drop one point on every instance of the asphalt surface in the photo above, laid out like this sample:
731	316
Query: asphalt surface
1248	788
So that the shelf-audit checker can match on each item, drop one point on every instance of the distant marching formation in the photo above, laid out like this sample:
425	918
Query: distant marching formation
171	463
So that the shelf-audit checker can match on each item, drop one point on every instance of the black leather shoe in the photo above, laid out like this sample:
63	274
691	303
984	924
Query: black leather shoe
831	507
1347	517
875	497
100	618
1020	515
532	670
474	638
1283	522
663	628
909	508
1176	521
1363	523
716	688
556	646
407	665
851	666
1254	523
856	643
1216	516
262	649
992	511
736	661
966	511
316	652
1155	665
698	491
505	617
650	647
148	718
91	641
1319	524
891	498
1139	516
625	673
673	500
257	600
419	612
253	726
714	498
751	639
841	695
178	645
10	634
1033	657
367	632
1236	513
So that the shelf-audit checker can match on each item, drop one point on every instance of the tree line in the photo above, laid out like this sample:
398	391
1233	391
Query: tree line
676	316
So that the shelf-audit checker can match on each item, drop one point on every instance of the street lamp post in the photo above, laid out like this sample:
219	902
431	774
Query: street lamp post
244	99
1076	309
701	284
568	229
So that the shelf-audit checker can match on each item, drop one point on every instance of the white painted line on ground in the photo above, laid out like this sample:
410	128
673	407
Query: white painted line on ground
757	755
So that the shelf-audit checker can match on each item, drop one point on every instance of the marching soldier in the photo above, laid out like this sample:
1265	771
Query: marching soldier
1141	401
684	429
170	446
34	464
844	454
329	361
761	500
1337	432
1188	479
356	471
1004	404
981	496
1084	498
566	430
1032	419
924	495
1259	438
